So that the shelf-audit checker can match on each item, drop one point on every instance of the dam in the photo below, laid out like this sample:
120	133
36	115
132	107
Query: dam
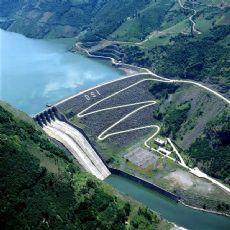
52	123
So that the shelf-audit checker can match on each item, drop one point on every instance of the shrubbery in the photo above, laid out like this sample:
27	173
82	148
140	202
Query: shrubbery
33	197
212	149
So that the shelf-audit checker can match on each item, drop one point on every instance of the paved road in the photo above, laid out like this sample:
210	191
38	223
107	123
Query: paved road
144	104
146	72
191	17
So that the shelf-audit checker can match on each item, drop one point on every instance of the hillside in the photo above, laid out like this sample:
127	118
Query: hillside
200	129
66	18
178	39
43	188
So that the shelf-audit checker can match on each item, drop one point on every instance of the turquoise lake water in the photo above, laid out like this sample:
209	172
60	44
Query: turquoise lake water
36	72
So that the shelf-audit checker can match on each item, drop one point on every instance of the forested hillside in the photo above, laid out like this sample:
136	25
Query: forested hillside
66	18
182	39
211	150
43	188
203	58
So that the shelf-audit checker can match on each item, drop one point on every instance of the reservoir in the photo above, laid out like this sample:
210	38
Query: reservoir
36	72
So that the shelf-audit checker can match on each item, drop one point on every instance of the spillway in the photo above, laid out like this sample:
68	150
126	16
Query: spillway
74	141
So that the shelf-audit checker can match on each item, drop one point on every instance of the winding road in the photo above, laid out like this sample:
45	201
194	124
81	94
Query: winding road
191	17
144	104
144	71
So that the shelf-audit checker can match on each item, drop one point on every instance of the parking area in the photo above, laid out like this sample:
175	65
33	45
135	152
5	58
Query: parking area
141	157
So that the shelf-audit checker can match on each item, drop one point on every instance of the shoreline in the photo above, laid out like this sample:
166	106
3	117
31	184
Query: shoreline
205	210
126	70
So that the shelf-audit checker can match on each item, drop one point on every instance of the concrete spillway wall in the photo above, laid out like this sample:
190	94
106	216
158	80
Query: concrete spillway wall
145	183
53	113
53	123
47	116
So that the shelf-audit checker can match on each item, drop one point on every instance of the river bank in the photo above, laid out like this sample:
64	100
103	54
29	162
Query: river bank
119	65
28	104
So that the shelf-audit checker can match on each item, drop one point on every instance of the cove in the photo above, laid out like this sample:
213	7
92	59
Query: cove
39	72
36	72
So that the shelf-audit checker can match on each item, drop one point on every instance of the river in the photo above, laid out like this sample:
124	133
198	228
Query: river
36	72
169	209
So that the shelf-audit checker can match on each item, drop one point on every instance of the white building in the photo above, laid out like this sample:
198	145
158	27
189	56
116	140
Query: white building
160	142
164	151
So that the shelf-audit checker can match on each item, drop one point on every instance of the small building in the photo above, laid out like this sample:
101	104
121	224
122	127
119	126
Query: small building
164	151
160	142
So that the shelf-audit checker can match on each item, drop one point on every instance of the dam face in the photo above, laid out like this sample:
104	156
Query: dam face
51	122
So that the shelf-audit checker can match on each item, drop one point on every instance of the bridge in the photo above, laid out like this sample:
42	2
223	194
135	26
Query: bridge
52	123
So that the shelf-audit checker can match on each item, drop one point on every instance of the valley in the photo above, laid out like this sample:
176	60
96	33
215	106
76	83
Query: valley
113	136
141	90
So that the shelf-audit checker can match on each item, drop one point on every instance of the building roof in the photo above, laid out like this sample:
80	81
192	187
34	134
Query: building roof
159	141
164	151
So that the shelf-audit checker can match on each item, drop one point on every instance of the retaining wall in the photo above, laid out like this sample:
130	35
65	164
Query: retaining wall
145	183
115	171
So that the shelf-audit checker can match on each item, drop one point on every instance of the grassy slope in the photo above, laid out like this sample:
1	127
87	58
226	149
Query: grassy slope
183	112
198	127
147	20
42	188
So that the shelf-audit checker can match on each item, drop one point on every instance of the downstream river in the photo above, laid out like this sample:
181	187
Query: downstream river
36	72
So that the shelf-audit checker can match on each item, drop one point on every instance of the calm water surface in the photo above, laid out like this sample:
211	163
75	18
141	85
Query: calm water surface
36	72
170	210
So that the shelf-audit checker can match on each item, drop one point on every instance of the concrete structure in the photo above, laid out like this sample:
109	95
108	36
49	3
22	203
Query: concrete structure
74	141
164	151
141	157
160	142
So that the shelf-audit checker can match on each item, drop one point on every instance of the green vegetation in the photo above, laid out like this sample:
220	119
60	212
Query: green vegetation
173	118
144	22
58	194
188	57
211	150
162	90
67	18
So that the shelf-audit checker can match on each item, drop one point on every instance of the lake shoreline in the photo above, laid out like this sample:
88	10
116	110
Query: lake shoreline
128	69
